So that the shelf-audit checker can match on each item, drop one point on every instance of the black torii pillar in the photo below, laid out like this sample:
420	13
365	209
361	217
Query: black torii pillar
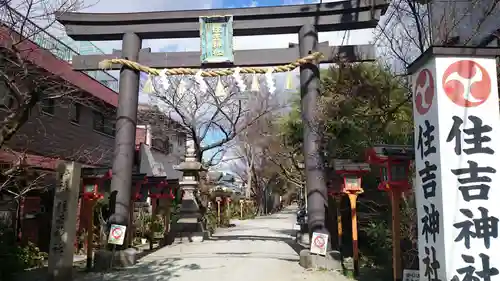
126	119
309	92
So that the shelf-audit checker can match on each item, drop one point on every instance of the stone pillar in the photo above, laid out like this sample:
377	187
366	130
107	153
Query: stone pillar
121	183
457	138
123	160
189	226
63	231
309	92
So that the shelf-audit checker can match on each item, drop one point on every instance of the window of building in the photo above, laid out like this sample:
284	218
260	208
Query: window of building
47	104
104	124
181	141
168	146
162	145
157	144
98	121
74	112
109	126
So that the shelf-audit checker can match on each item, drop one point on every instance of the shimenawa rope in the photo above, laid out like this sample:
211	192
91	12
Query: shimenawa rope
106	64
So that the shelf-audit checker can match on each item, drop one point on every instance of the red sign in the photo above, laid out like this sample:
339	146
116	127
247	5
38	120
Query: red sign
319	241
467	83
424	91
117	233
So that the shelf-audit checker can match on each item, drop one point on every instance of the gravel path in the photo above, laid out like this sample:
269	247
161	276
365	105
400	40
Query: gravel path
260	249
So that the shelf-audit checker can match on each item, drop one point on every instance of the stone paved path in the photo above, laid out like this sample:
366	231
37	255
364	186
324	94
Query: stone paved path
261	249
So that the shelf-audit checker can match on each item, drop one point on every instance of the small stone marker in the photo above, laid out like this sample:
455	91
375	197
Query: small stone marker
117	234
319	243
411	275
63	231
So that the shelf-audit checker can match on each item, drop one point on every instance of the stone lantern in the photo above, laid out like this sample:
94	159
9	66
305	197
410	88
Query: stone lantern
190	226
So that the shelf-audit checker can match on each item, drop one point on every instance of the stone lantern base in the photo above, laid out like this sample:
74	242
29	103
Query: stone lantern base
189	227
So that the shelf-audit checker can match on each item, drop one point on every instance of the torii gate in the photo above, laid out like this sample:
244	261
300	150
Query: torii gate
306	20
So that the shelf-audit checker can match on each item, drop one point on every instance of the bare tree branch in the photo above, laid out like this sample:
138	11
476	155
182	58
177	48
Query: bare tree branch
211	120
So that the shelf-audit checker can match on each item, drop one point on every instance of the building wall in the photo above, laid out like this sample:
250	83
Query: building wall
157	163
159	152
54	135
465	19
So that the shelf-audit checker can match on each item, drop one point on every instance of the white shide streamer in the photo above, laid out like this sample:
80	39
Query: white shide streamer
201	81
269	80
239	80
164	80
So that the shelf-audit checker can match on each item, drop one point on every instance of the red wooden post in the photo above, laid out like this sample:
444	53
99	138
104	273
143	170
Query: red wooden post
92	182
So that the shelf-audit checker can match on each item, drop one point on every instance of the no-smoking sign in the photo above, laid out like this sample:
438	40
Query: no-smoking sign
319	243
117	234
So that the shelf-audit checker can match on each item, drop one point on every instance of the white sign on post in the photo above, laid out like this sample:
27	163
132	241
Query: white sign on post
411	275
117	234
319	243
457	146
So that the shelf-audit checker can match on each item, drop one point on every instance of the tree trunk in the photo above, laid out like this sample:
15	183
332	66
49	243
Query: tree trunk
249	178
259	200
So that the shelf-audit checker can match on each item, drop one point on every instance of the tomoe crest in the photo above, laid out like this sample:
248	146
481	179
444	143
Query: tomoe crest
424	91
467	83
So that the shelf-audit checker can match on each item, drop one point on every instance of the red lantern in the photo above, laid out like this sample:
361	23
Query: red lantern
157	186
137	194
90	189
91	192
394	162
138	180
350	177
352	183
92	180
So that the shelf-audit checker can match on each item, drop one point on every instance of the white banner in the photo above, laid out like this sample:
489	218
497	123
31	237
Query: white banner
457	146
